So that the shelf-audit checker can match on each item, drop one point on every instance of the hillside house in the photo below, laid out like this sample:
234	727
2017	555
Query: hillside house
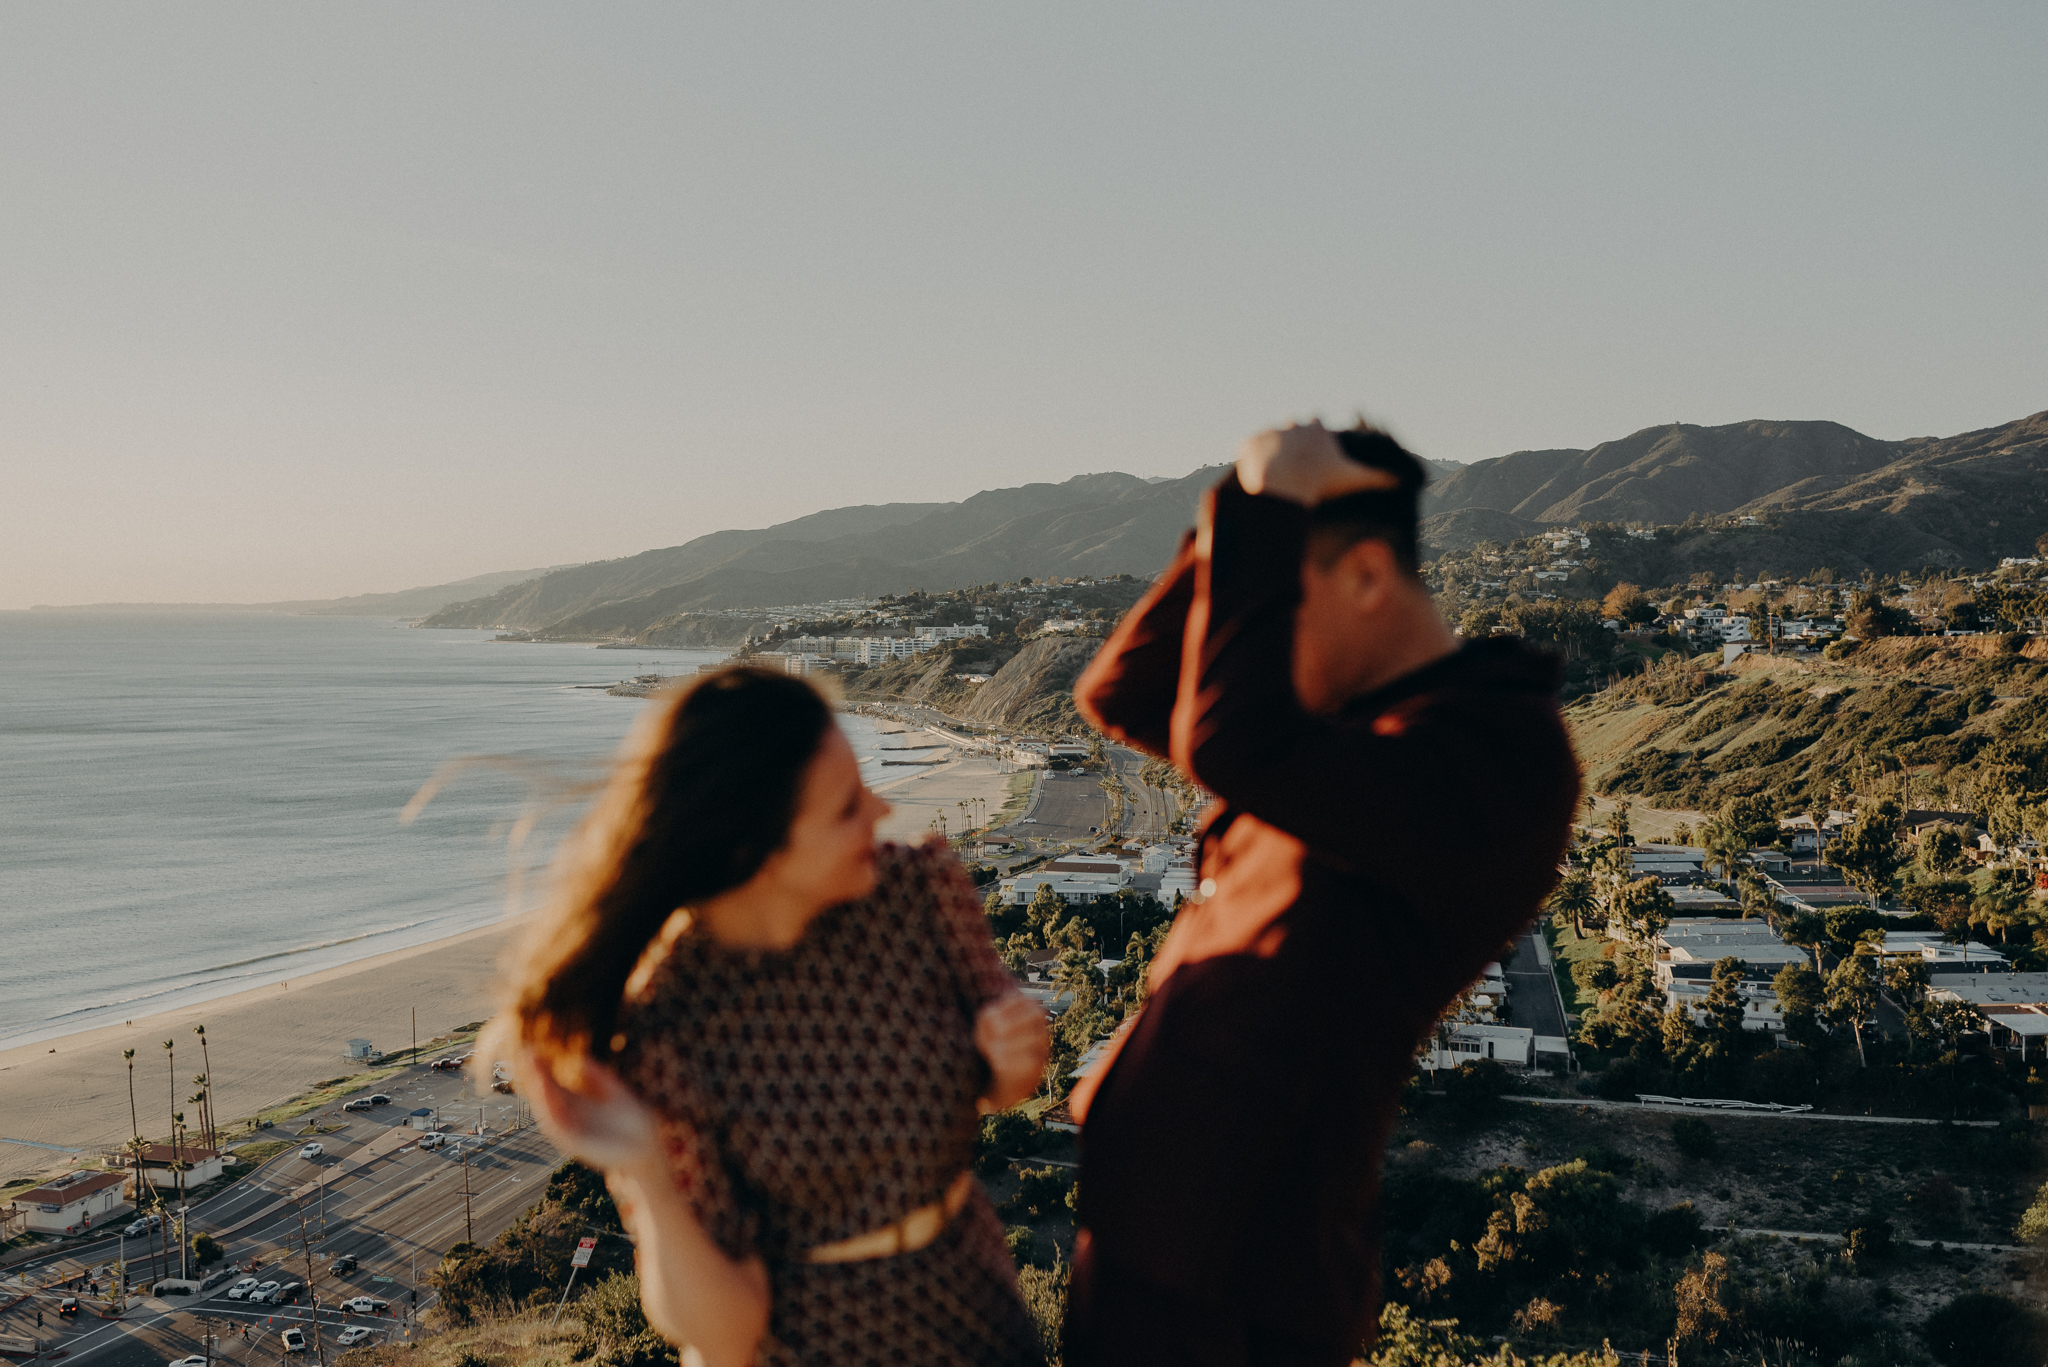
2013	1006
1471	1041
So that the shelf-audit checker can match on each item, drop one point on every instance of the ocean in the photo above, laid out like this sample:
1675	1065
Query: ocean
195	805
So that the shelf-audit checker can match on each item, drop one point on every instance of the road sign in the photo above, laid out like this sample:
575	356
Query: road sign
584	1248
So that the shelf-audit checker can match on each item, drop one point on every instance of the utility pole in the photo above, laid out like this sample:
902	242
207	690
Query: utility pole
415	1034
319	1353
469	1229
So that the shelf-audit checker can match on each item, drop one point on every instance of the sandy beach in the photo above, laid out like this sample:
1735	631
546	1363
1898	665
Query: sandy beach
920	794
271	1043
266	1044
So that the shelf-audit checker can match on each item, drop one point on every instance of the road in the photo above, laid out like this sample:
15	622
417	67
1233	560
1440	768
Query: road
396	1212
1532	992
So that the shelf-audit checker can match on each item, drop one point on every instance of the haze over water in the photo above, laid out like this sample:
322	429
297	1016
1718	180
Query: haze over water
193	805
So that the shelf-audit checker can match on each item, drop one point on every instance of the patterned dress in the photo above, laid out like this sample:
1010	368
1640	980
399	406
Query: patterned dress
820	1092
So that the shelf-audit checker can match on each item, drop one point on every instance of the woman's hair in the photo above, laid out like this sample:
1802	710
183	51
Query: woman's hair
702	793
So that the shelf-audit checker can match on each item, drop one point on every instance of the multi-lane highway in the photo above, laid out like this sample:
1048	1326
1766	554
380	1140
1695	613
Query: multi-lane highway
388	1204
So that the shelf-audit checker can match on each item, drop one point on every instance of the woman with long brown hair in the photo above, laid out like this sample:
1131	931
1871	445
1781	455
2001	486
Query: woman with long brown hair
773	1037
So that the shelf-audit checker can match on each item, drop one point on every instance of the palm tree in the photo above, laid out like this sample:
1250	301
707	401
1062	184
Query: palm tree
206	1061
134	1130
171	1053
199	1098
135	1146
1724	846
1574	898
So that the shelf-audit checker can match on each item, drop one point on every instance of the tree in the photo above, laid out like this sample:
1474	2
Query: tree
1800	999
1754	819
1724	845
1852	996
1707	1307
1941	850
2000	905
1643	906
1724	1008
1807	930
1628	603
1572	899
1871	617
1868	852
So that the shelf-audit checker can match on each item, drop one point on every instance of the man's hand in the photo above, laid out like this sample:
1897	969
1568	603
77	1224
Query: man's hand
1304	465
1010	1032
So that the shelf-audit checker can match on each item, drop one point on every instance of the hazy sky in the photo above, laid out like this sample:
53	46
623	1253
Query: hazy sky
312	300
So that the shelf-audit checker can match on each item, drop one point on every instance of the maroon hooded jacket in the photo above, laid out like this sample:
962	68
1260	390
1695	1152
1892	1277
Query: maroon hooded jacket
1359	872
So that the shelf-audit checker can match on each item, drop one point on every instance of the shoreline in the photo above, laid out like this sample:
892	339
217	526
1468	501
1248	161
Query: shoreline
65	1098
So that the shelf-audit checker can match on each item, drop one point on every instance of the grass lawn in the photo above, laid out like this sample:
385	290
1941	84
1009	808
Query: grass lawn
1566	949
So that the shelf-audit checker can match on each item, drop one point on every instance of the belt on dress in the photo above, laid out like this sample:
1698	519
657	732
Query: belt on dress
906	1235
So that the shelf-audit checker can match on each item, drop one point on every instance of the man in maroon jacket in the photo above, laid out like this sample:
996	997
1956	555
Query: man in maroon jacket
1392	806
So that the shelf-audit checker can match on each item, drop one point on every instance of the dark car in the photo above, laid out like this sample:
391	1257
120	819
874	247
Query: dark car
380	1100
68	1306
344	1264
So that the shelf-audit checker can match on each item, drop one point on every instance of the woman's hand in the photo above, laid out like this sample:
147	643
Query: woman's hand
598	1119
1010	1032
1304	465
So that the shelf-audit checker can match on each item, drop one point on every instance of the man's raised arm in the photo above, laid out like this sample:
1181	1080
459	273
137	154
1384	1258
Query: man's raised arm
1128	689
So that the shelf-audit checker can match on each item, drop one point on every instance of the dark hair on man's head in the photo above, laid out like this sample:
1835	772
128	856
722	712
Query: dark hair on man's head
1387	515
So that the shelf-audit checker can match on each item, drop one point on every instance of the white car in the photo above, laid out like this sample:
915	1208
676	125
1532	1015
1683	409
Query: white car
294	1340
365	1305
263	1292
312	1151
354	1334
196	1360
241	1288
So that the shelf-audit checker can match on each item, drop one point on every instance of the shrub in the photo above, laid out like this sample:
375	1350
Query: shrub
615	1328
1868	1240
1471	1088
1695	1138
1044	1290
1004	1135
1040	1192
1978	1327
1594	975
1017	1239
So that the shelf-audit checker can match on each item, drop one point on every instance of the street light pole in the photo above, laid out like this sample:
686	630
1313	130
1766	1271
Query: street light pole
469	1229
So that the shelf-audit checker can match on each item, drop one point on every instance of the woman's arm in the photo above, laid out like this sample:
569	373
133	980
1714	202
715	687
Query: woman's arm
693	1292
1009	1028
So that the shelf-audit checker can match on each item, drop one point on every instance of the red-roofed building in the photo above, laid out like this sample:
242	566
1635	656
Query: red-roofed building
73	1202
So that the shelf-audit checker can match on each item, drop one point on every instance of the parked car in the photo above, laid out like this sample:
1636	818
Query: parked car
215	1278
241	1288
287	1292
294	1340
143	1226
68	1306
352	1335
264	1292
366	1305
312	1151
433	1139
345	1263
380	1100
361	1103
196	1360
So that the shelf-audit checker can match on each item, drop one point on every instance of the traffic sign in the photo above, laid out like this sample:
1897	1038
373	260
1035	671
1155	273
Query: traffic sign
584	1248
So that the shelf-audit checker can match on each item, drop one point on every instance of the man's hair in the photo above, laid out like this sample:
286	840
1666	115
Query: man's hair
1387	515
